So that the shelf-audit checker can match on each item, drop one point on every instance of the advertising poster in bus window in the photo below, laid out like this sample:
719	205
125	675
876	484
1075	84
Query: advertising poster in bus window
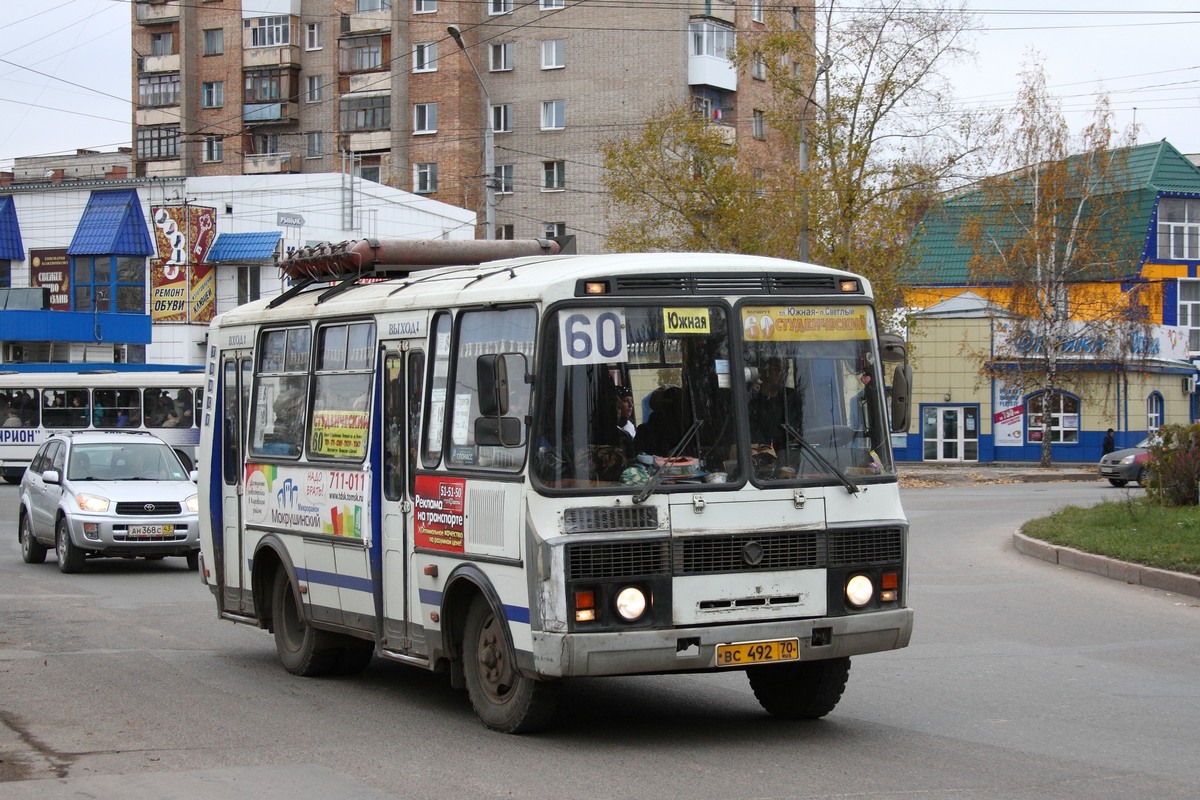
182	286
51	268
339	433
332	502
806	323
439	519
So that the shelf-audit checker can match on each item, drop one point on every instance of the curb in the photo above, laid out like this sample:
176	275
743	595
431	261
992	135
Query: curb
1177	582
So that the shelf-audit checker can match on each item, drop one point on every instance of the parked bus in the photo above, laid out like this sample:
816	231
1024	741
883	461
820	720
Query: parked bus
425	463
164	402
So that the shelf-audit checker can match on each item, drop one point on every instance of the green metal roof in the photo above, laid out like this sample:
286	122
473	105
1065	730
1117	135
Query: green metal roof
941	256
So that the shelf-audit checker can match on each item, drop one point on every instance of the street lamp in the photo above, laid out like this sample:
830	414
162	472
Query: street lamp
489	139
822	68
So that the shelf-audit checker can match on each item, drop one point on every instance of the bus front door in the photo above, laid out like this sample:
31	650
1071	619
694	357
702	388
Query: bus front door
237	370
404	370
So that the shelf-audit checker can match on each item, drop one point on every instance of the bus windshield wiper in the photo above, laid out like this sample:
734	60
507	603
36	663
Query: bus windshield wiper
834	469
657	477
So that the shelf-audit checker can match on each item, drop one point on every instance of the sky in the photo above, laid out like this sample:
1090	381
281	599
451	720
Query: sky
65	68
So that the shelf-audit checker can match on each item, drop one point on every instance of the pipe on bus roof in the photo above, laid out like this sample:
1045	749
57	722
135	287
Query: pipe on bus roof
328	260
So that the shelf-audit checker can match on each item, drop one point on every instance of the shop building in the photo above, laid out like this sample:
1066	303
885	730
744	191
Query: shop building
964	338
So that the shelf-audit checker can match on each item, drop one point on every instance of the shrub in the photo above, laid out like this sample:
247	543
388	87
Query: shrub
1175	479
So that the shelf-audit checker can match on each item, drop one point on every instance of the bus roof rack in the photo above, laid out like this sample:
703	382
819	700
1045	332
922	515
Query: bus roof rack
361	258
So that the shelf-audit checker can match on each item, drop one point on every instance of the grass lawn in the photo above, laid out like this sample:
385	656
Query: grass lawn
1132	530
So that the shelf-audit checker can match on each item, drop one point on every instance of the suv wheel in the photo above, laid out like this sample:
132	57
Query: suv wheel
70	557
33	551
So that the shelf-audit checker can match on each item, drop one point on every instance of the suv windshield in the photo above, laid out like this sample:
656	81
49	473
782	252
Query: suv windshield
124	462
655	395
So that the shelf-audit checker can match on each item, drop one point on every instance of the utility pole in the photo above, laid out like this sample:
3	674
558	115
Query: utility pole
489	139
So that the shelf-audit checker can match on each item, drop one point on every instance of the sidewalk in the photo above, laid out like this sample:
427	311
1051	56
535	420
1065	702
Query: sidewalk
918	475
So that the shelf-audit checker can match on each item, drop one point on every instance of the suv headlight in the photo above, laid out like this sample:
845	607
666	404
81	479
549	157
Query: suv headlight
92	503
193	503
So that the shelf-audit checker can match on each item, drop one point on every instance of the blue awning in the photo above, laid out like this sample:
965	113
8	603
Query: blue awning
112	225
244	247
10	233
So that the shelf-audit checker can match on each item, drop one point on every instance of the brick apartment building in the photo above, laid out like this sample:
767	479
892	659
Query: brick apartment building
379	88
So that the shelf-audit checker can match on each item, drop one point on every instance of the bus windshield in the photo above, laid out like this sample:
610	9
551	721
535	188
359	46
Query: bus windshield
670	394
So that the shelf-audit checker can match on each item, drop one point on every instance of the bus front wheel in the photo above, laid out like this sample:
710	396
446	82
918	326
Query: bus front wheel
504	699
801	689
303	650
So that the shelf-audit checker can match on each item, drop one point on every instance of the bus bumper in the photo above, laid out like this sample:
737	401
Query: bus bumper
633	652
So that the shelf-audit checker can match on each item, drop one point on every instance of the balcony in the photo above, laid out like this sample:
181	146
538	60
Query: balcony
159	115
712	71
370	21
266	163
167	63
368	141
365	82
284	56
258	113
152	12
166	168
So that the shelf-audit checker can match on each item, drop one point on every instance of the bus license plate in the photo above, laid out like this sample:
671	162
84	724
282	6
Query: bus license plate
740	654
149	531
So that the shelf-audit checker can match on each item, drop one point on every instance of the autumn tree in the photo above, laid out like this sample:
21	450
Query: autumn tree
1051	235
868	134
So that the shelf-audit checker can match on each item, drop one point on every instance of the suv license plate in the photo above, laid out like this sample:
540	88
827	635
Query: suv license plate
149	531
741	654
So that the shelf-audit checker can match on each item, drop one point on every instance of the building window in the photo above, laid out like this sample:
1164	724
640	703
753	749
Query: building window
1154	413
500	57
547	5
500	6
265	86
425	57
424	6
760	189
504	232
425	178
315	141
5	273
504	179
248	287
758	126
214	149
554	175
372	113
553	229
158	90
554	115
1064	418
425	118
554	54
162	44
267	31
756	10
316	88
361	53
109	283
502	118
370	173
758	67
162	142
1189	311
212	94
265	144
1178	228
312	36
214	41
710	39
362	6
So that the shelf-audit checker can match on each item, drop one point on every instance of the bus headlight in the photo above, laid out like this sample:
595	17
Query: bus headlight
631	603
859	591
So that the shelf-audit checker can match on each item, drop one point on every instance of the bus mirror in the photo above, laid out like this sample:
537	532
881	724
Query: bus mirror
498	431
491	371
901	397
892	347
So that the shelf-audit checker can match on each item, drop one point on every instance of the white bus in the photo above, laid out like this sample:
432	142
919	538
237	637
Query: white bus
164	402
425	463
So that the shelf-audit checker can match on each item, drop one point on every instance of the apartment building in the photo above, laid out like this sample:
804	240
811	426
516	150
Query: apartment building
381	88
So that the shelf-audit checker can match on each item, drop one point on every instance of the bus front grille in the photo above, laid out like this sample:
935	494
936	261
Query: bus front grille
607	519
587	561
748	552
865	547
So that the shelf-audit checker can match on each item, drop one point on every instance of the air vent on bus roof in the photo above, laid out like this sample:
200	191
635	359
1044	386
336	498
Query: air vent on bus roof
729	283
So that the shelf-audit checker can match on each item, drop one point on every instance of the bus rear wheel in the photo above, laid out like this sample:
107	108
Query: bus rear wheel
801	689
303	650
504	699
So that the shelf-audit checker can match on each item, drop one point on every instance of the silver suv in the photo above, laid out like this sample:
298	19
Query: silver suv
107	493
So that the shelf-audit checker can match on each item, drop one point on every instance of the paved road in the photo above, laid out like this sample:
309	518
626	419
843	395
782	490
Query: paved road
1024	680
